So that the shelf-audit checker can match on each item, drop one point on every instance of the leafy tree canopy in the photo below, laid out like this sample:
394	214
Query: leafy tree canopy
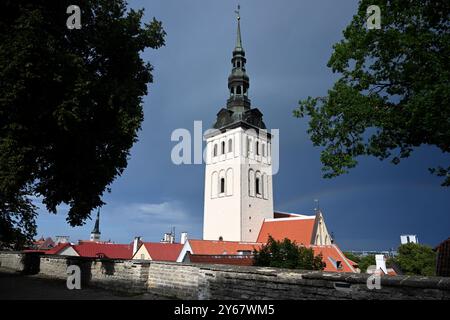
70	104
287	254
365	262
416	259
351	256
394	91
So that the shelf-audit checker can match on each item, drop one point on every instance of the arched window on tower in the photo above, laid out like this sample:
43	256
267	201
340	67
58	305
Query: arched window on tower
258	188
263	150
257	148
215	150
223	147
222	185
238	90
230	145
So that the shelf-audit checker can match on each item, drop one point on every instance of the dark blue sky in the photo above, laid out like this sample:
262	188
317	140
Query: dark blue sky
288	44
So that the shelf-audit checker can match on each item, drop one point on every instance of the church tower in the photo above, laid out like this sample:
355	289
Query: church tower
238	173
95	234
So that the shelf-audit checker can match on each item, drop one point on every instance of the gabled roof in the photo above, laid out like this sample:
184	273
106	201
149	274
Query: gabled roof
332	256
104	250
299	229
215	247
163	251
58	248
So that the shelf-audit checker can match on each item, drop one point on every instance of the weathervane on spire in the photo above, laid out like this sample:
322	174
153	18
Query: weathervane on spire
237	12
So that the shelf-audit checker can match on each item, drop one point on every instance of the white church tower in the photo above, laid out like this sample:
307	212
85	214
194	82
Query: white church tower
238	179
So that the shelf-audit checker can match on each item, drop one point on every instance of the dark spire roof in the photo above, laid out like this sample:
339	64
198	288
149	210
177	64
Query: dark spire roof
97	224
238	104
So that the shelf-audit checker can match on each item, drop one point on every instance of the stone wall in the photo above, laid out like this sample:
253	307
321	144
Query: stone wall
12	260
187	281
120	275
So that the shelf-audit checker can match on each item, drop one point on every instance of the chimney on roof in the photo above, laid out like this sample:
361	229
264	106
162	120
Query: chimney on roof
380	263
136	244
183	237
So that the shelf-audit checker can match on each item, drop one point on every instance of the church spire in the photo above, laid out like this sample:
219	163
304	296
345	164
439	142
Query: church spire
95	234
238	81
238	110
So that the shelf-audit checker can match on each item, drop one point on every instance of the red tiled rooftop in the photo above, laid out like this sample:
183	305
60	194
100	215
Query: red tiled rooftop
332	251
106	250
163	251
58	248
299	230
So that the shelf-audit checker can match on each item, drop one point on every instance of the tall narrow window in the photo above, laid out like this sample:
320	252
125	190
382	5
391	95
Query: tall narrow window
222	185
230	145
215	150
223	147
257	148
264	150
258	191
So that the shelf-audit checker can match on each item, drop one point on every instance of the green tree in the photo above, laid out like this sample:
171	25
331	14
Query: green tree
352	256
366	261
416	259
393	94
287	254
70	105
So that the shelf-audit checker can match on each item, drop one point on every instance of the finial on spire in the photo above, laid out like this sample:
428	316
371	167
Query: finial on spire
238	39
238	12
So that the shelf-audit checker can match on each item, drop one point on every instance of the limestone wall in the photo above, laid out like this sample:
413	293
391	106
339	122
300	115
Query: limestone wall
188	281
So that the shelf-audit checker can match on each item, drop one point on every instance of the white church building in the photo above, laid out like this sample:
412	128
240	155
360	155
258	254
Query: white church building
239	213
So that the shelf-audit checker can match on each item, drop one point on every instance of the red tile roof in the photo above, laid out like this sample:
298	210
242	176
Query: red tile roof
298	229
58	248
163	251
333	252
214	247
104	250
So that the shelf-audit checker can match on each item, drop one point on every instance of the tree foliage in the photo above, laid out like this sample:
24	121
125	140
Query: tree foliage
416	259
70	104
393	94
366	261
287	254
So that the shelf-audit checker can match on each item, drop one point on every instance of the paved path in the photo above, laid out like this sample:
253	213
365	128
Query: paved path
16	286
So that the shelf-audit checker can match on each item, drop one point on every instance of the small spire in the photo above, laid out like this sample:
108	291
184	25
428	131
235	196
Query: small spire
238	38
97	224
